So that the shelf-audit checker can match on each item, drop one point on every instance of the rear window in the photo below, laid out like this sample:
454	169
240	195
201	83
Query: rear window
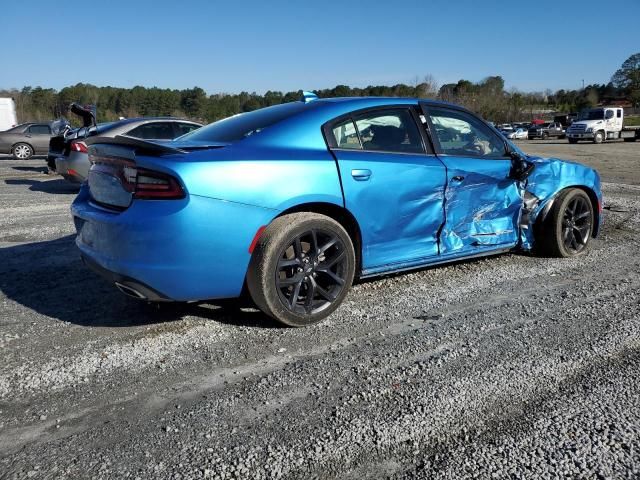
241	126
153	131
40	129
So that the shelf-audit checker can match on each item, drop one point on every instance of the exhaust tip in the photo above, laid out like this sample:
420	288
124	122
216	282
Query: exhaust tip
131	292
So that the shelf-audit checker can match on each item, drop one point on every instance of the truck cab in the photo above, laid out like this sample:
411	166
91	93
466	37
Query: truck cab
597	124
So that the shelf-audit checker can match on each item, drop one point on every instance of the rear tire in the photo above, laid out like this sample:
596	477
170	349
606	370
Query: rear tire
301	269
567	230
545	136
22	151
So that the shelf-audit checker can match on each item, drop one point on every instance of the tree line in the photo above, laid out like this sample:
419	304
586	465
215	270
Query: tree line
487	97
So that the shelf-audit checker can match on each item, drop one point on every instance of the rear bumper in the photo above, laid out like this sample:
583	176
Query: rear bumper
191	249
73	167
129	286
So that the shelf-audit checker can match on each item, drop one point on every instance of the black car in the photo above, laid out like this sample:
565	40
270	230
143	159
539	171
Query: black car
547	130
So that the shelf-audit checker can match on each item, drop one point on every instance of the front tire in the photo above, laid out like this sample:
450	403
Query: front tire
567	230
301	269
598	137
22	151
573	141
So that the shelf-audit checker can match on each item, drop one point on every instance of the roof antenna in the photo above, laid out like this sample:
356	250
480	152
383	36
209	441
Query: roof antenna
308	96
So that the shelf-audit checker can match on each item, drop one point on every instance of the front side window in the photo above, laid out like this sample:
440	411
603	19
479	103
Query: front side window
40	129
462	134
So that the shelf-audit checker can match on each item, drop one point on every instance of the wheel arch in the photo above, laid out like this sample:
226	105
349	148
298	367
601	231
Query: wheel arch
341	215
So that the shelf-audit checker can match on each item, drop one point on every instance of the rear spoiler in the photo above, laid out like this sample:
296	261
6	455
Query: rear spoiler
140	146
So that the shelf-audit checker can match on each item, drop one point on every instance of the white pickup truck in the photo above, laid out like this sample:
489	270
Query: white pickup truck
600	124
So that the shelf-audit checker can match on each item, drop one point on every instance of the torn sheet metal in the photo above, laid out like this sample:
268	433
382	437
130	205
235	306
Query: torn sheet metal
549	177
482	206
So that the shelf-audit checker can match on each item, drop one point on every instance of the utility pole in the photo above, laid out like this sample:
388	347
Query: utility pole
583	84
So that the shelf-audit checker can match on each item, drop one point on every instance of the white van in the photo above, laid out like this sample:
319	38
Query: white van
7	114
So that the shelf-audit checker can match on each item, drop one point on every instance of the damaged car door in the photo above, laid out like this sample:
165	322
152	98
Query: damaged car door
482	199
392	182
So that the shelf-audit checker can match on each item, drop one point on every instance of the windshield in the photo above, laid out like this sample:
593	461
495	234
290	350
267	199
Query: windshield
244	125
592	115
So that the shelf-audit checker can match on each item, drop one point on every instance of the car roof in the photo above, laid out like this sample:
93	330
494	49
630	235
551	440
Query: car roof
302	128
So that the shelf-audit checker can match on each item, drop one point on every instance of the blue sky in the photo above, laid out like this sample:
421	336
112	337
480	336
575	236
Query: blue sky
225	46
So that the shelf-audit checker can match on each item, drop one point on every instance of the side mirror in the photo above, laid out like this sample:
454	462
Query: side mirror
521	168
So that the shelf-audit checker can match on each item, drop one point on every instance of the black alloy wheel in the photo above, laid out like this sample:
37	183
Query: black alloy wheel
577	224
301	268
311	272
568	228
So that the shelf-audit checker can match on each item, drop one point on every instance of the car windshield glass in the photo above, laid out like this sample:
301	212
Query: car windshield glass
244	125
592	115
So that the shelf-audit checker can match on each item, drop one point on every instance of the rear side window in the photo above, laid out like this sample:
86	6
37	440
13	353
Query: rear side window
346	136
389	130
40	129
153	131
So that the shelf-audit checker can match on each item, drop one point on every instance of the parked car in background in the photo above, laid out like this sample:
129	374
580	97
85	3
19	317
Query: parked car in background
26	140
8	117
546	130
70	154
294	201
518	134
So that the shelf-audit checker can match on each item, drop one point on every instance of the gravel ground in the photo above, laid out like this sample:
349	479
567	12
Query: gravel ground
508	367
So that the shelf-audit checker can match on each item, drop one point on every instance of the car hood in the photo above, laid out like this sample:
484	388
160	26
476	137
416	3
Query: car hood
588	123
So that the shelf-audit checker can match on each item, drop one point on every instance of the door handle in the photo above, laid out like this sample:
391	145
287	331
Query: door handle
361	174
457	178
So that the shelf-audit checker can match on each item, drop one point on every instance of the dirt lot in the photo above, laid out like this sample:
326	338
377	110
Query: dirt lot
513	366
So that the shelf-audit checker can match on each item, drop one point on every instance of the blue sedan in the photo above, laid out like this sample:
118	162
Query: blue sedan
293	202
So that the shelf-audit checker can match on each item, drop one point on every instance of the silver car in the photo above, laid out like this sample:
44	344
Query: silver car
73	164
26	140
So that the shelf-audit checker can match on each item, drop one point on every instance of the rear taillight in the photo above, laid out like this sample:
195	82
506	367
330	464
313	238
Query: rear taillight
78	146
151	184
115	182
